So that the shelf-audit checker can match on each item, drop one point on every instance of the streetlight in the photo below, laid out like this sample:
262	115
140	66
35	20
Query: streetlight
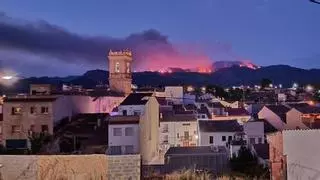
7	77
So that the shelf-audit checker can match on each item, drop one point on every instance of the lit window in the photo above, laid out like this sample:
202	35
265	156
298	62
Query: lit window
16	110
117	67
117	132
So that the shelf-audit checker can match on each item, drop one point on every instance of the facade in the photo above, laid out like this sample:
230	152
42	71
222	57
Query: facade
142	128
177	130
124	135
174	94
295	154
217	133
254	131
303	116
26	114
120	79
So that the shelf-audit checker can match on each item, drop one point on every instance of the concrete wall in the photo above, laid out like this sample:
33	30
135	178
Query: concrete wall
272	118
302	149
217	138
294	120
125	140
149	131
131	109
254	130
70	167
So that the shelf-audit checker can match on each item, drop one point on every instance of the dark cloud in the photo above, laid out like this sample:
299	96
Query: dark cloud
46	39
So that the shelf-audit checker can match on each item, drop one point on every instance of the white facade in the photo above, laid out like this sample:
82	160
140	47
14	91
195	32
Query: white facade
216	138
174	94
254	131
240	119
294	120
272	118
182	133
124	139
130	110
302	149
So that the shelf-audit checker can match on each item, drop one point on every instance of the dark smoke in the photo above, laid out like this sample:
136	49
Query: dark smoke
46	39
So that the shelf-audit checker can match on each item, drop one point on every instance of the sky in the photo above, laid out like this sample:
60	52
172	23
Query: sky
59	38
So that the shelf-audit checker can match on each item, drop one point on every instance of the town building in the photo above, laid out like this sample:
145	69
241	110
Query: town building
303	116
217	133
136	128
240	114
254	131
120	79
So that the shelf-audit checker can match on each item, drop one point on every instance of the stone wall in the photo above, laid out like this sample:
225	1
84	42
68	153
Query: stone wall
124	167
69	167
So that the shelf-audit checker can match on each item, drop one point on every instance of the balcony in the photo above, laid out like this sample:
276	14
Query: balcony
165	130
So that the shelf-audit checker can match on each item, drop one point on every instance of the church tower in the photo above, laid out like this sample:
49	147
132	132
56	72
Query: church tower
120	71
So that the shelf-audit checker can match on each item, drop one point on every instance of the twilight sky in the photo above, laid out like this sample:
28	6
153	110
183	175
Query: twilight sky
58	38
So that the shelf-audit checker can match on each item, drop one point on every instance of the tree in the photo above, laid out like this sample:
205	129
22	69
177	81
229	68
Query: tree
265	83
247	164
38	140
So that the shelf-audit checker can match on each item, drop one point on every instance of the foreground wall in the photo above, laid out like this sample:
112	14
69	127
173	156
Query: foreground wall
69	167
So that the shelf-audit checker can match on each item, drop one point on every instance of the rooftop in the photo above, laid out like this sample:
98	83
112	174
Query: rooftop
279	110
195	150
171	117
220	126
136	99
31	98
215	105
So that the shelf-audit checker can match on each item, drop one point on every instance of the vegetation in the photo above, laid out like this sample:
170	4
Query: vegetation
265	83
246	165
38	140
188	175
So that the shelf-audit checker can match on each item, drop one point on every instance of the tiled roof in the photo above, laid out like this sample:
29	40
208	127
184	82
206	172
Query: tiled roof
237	112
124	119
308	109
194	150
279	110
136	99
29	98
262	150
220	126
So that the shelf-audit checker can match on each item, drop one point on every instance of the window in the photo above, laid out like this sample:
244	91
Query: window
161	116
260	140
0	129
44	128
186	124
117	132
136	113
210	139
165	128
195	132
16	110
117	68
44	110
104	108
177	135
128	131
115	150
203	116
223	138
124	112
252	140
128	67
128	149
33	110
165	139
15	129
186	135
230	138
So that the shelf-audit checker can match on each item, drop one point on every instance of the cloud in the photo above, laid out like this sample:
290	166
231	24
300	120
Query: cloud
152	50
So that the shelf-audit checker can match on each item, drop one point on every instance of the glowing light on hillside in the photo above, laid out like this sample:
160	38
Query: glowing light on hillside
190	89
7	77
309	88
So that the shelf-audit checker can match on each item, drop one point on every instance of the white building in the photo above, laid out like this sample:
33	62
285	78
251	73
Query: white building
177	130
174	94
276	115
134	104
217	133
254	131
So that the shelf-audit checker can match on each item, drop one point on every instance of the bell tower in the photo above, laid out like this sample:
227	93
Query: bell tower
120	71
